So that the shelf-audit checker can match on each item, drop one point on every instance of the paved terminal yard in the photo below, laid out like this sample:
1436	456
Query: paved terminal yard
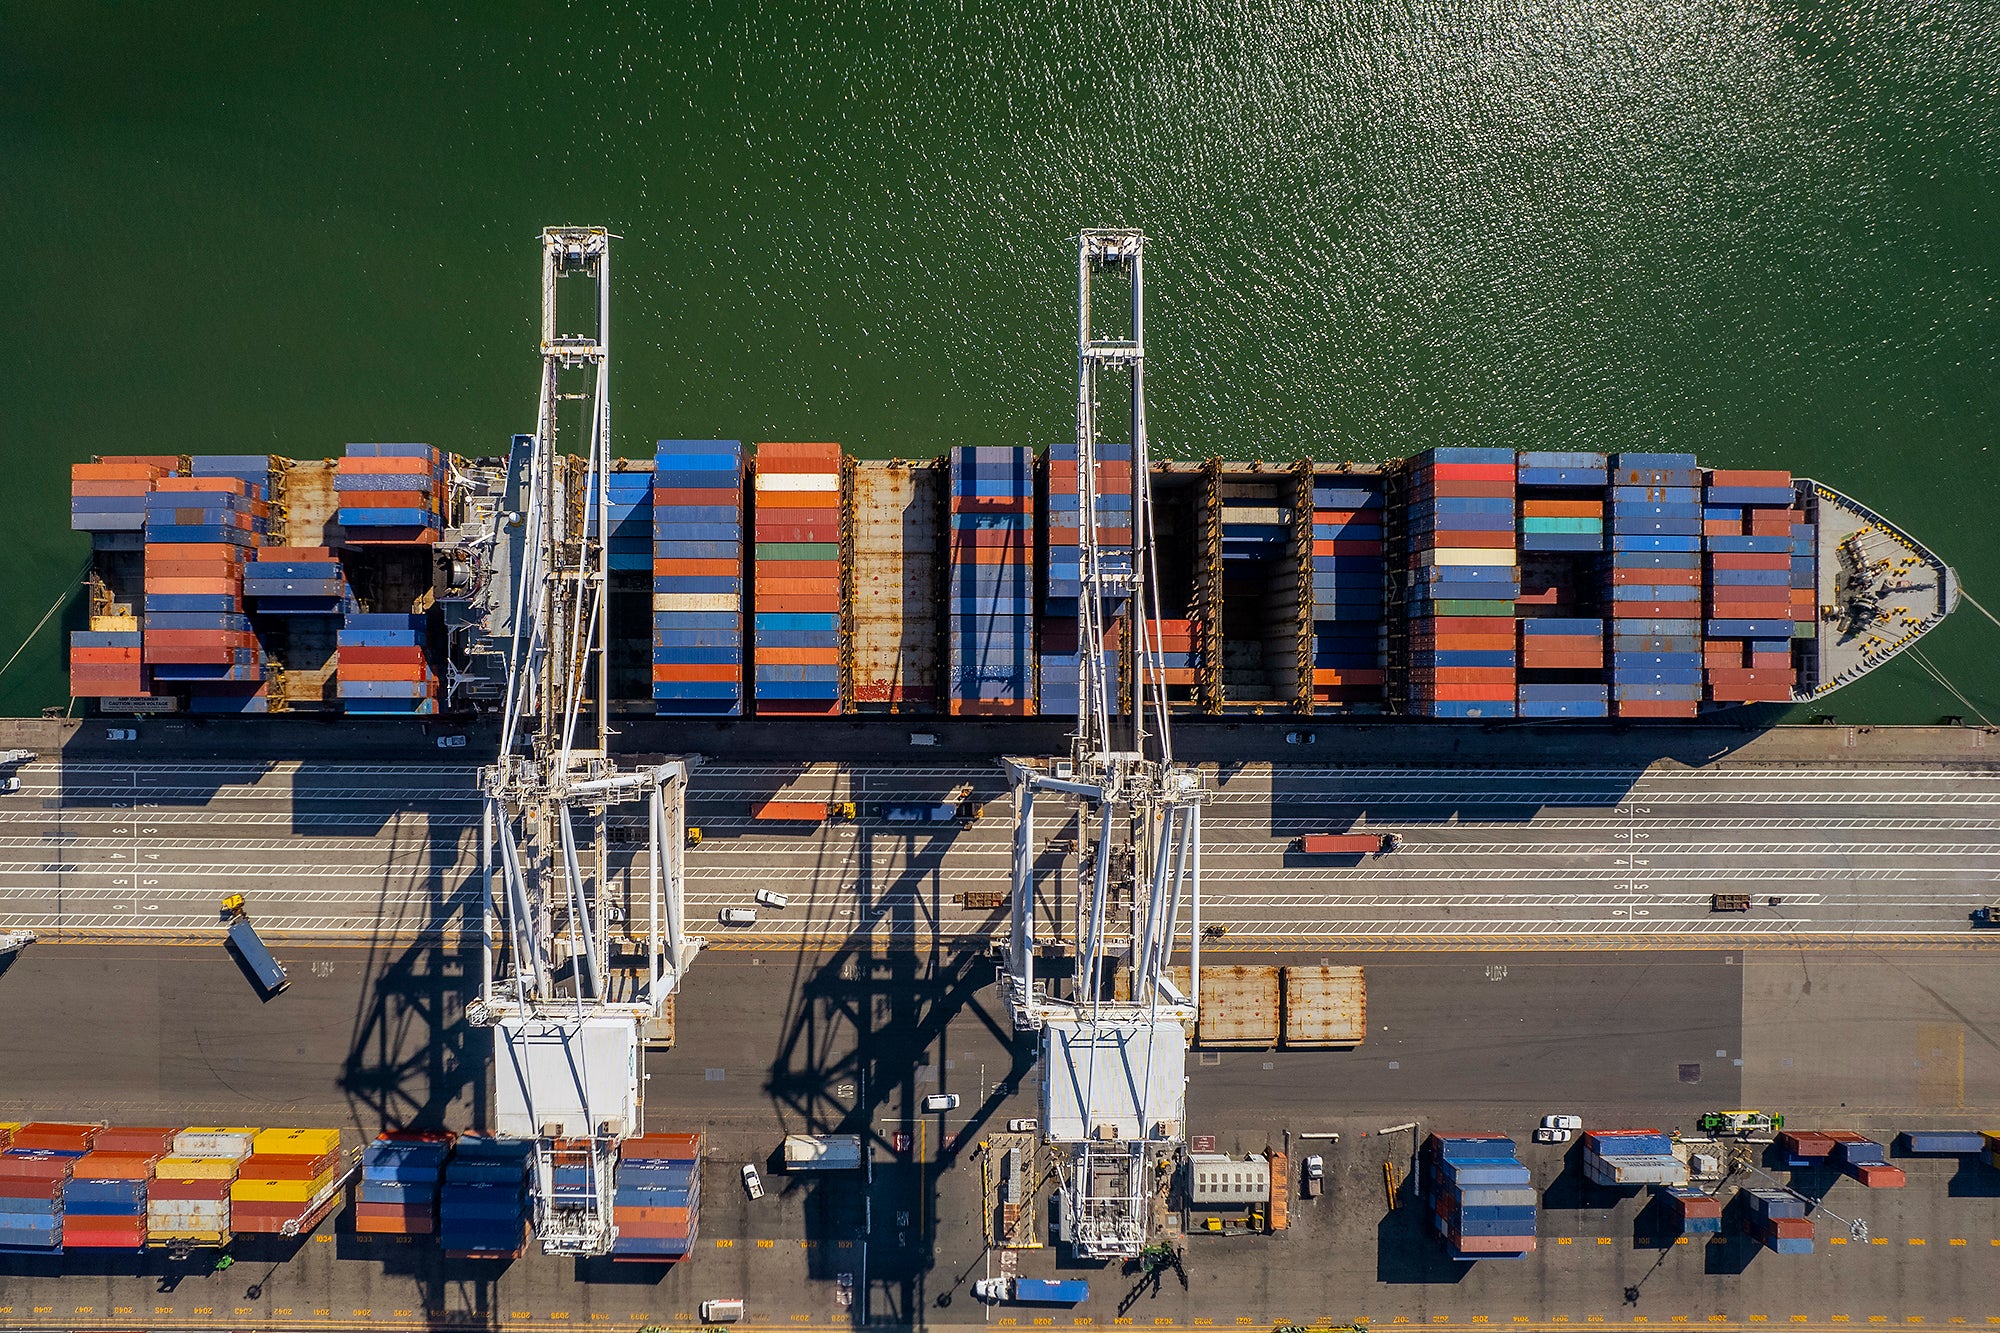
109	846
850	1040
1860	999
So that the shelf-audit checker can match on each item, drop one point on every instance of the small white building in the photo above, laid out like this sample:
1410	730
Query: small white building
1216	1180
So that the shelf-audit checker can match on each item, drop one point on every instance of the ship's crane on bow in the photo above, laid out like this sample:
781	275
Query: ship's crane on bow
569	1012
1114	1053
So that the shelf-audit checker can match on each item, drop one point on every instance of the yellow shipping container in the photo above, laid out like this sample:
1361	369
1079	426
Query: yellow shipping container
296	1142
280	1191
195	1168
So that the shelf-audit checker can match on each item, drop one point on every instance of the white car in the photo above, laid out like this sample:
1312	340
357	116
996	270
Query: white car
1315	1167
941	1101
451	742
122	734
1022	1125
10	784
777	902
1546	1134
737	916
751	1185
1562	1122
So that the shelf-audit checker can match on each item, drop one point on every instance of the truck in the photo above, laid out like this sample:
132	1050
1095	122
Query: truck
1349	844
822	1152
1312	1181
801	812
942	812
243	938
1032	1290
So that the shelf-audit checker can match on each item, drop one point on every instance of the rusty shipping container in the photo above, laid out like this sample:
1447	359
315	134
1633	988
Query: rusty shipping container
1325	1006
1239	1007
894	594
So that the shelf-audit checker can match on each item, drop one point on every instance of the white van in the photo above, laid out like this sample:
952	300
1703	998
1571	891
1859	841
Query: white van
772	899
721	1312
737	916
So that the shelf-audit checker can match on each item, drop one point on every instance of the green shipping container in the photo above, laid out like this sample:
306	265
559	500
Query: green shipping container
798	550
1459	607
1562	525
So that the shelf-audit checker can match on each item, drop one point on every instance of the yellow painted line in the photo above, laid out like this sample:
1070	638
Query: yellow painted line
1878	1240
1916	1240
1836	1240
1957	1240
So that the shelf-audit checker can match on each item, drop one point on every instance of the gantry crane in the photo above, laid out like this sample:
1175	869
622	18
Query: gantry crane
569	1014
1114	1054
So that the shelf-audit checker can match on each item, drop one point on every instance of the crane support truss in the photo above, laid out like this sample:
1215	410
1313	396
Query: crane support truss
1114	1056
569	1010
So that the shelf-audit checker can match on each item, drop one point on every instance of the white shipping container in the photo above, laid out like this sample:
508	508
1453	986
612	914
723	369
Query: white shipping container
187	1215
798	481
1252	514
1462	555
697	601
212	1143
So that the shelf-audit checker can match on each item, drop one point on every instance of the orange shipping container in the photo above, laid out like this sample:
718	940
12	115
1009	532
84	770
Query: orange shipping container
405	671
1654	708
82	489
689	569
385	467
769	500
202	485
822	587
114	472
1562	508
790	604
815	457
797	657
1468	541
698	671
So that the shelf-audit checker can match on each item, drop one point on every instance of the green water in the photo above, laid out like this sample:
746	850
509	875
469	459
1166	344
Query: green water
1764	233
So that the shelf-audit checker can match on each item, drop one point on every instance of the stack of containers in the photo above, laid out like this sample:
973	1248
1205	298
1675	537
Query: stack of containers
1656	524
1573	522
390	494
1861	1157
108	494
796	594
483	1202
256	469
697	554
1804	1147
1631	1157
1347	576
31	1201
286	1184
657	1206
1260	593
1173	650
1463	579
400	1174
1777	1219
196	633
1747	520
106	663
104	1207
1480	1199
1572	646
628	536
1805	571
188	1200
1692	1212
296	581
990	607
35	1170
382	668
1061	659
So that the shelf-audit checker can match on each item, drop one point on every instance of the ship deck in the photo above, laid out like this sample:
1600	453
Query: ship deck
1880	590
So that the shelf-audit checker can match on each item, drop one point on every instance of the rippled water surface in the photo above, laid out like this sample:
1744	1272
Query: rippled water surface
1765	233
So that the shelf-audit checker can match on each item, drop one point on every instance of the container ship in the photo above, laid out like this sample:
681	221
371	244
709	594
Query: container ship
790	580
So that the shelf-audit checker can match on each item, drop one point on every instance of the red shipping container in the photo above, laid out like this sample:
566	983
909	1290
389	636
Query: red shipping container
202	486
34	1168
383	671
1676	708
1557	661
723	672
1748	477
135	486
1658	578
798	605
1881	1176
797	707
1766	560
819	453
789	530
1462	488
1464	541
1722	527
357	656
98	1164
103	657
18	1188
1562	508
992	708
826	587
1451	693
387	500
701	497
1472	471
1656	610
